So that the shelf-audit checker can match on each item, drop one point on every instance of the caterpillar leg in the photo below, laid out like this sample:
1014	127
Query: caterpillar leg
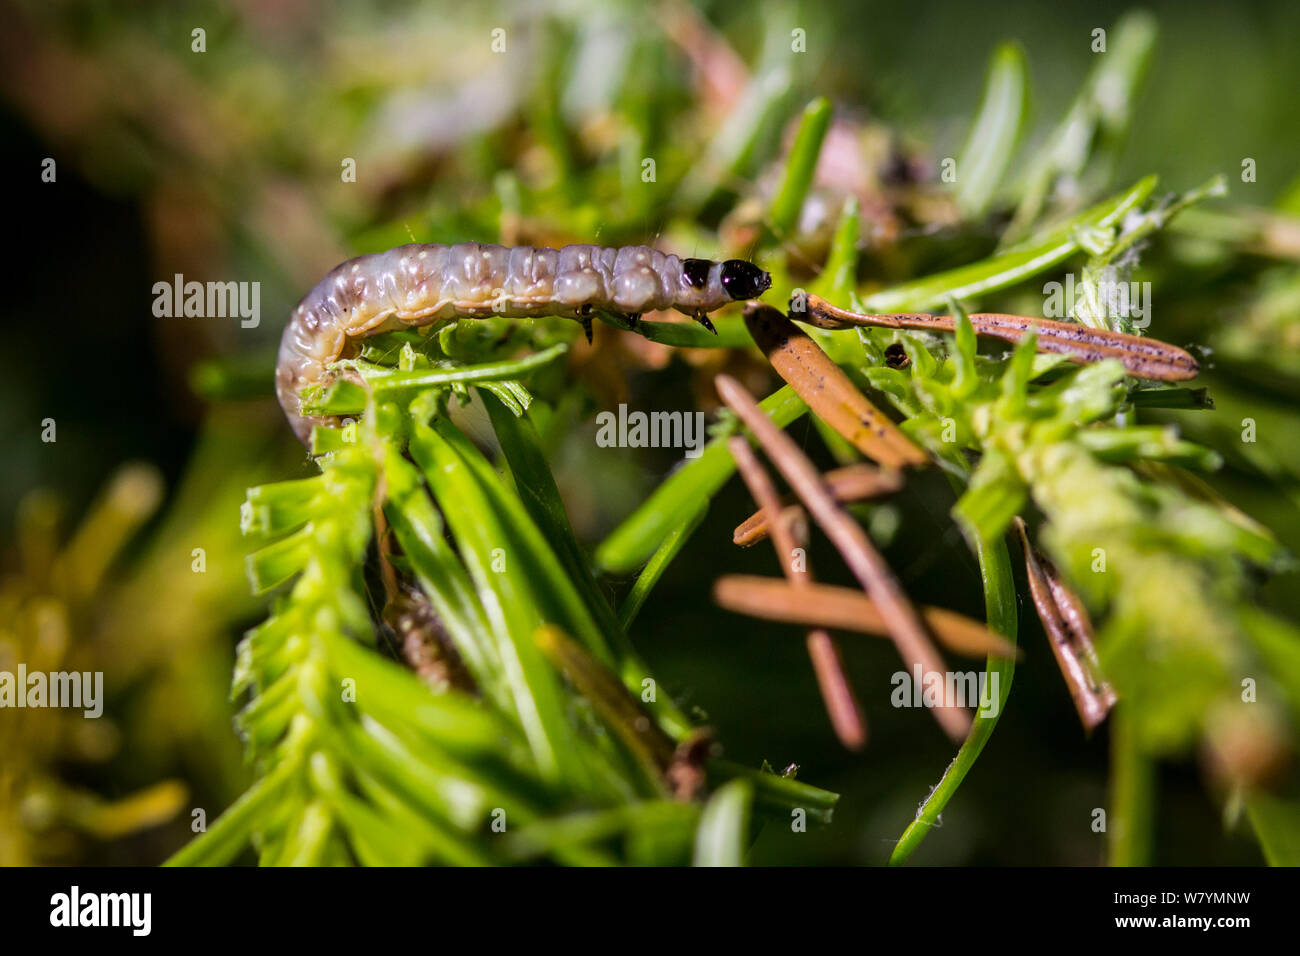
703	319
621	320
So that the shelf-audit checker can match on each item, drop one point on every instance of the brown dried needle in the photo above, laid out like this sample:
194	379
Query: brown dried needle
905	626
841	704
846	609
1141	357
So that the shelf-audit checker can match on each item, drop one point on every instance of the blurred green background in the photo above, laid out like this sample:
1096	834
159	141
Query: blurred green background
226	165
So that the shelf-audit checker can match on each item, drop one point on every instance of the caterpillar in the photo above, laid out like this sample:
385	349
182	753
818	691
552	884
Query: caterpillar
420	284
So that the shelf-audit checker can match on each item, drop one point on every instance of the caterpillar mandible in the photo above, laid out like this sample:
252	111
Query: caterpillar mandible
419	284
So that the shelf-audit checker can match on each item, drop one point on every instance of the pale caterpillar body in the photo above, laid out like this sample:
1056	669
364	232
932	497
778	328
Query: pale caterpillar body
421	284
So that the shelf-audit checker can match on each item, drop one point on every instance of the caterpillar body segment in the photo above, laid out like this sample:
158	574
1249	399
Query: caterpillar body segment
422	284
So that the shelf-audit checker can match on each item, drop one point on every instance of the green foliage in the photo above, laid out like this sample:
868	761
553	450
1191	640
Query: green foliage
675	501
1049	248
992	141
1000	606
538	756
1167	572
548	746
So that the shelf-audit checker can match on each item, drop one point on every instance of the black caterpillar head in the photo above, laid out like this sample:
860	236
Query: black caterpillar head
744	280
